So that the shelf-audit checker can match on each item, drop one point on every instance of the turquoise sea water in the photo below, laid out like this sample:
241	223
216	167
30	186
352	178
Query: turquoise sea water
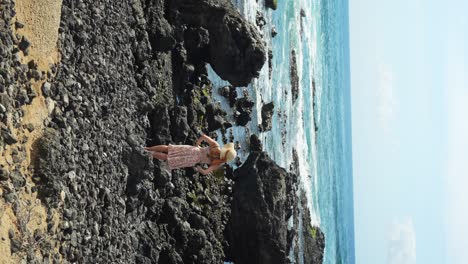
317	31
334	153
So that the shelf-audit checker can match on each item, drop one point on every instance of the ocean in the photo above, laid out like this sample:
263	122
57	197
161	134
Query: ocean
318	124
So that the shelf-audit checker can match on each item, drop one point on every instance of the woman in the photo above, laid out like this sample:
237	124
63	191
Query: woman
182	156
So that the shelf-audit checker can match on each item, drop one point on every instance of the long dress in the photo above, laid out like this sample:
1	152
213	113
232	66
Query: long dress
182	156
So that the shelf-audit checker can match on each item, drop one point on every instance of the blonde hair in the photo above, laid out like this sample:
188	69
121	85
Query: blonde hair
228	152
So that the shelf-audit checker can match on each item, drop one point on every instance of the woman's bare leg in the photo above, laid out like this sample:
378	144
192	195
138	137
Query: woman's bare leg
159	155
158	148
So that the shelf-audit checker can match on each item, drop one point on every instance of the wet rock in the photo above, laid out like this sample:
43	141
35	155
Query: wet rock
270	63
224	91
243	112
255	143
229	92
294	167
274	32
273	4
294	77
303	14
260	20
267	115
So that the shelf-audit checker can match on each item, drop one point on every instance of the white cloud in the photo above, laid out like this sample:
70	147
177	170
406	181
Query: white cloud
402	243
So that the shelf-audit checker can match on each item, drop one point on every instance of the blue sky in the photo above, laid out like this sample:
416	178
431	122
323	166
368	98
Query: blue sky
409	62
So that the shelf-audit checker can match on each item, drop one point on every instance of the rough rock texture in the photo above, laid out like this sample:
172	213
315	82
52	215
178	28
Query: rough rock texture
255	144
127	80
314	239
258	217
132	74
294	77
243	111
267	115
243	52
215	116
264	198
229	92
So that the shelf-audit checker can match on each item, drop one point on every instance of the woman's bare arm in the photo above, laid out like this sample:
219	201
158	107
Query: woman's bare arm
199	141
209	140
209	170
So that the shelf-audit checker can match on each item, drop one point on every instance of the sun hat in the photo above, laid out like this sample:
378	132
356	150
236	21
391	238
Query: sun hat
228	152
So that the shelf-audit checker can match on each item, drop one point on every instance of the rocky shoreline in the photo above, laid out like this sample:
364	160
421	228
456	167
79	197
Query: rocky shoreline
133	74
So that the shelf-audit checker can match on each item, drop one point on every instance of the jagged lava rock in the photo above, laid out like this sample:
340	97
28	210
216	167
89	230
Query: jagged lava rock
294	77
267	115
243	111
236	49
264	199
255	143
258	225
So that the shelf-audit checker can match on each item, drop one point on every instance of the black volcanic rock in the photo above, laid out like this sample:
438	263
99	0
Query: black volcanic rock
294	77
215	116
314	239
160	32
243	107
236	50
273	4
294	167
260	20
255	143
273	32
131	74
258	217
264	199
179	125
229	92
267	115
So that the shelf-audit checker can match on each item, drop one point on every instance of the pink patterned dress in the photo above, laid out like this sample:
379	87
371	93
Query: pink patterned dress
182	156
